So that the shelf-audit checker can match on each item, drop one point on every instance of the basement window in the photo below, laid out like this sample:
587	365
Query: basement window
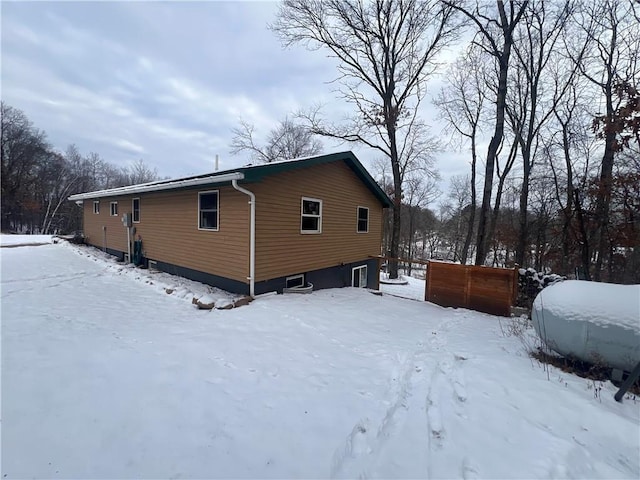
208	210
295	281
359	277
363	220
114	209
96	206
311	213
135	210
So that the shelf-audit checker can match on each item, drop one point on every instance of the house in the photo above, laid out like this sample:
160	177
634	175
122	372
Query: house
253	229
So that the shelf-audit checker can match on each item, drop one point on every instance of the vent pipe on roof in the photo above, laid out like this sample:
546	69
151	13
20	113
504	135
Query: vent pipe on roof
216	163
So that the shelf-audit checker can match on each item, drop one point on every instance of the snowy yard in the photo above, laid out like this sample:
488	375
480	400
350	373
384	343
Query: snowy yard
104	375
19	240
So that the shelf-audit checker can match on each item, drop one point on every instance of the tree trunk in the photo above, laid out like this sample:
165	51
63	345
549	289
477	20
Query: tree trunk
604	192
586	257
410	246
397	205
567	210
492	154
522	252
472	213
390	115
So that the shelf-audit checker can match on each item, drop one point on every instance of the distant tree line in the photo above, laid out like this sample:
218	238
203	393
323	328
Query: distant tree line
37	180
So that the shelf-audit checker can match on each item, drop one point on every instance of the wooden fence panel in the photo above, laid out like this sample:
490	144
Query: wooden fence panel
484	289
446	284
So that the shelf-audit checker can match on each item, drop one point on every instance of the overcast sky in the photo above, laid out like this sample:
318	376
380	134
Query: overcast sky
165	81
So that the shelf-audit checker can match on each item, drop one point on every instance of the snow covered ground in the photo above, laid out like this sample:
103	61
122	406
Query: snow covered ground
16	240
414	289
104	375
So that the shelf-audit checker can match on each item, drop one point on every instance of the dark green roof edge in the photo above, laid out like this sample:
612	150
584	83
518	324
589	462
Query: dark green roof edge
255	173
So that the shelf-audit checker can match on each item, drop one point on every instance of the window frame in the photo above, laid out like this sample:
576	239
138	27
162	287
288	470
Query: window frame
353	272
133	210
294	277
111	209
307	215
217	210
358	219
96	207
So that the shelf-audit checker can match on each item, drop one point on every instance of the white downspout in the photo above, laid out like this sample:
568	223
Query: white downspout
252	235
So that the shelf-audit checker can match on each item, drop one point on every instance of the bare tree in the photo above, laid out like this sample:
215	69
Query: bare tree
461	210
535	89
419	192
386	51
495	27
461	102
23	148
139	172
56	180
568	148
502	173
611	29
286	141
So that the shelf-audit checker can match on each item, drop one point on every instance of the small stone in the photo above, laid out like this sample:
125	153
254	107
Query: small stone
242	301
205	302
224	304
169	291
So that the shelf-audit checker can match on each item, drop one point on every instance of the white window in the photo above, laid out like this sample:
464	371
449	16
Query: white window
311	213
96	206
359	277
208	210
363	220
295	281
135	210
114	209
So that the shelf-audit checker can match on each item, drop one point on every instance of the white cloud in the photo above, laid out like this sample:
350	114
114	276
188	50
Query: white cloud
130	146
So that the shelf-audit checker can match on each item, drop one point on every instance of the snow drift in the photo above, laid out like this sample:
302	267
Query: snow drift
594	322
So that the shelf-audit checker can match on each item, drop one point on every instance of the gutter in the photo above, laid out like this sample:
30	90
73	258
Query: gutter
252	235
156	186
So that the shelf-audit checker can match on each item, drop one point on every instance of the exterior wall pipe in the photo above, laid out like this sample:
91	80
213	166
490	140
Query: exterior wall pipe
252	235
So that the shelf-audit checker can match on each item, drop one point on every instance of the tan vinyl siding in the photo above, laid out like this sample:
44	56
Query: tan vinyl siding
169	225
281	249
102	227
169	230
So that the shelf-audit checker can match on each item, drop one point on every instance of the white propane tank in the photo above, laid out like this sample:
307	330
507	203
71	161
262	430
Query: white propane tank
592	321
